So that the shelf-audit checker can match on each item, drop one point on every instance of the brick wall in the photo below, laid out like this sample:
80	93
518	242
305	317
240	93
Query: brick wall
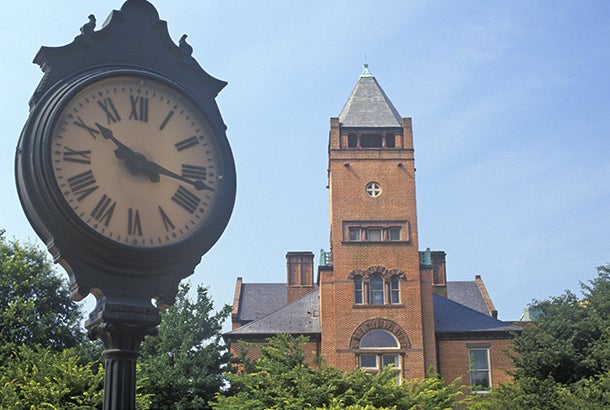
454	360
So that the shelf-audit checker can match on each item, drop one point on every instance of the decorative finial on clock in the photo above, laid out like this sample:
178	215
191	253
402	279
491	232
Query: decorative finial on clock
185	47
88	27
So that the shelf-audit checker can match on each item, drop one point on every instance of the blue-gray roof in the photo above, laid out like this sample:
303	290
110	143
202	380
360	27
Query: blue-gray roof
259	299
265	310
453	317
301	316
467	293
368	106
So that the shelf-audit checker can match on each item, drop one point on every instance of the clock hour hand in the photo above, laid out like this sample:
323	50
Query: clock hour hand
155	169
135	162
122	151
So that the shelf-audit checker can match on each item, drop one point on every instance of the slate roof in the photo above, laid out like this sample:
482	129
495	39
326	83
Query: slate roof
368	106
270	313
452	317
467	293
301	316
259	299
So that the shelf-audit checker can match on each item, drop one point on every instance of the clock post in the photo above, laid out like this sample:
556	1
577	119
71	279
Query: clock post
124	170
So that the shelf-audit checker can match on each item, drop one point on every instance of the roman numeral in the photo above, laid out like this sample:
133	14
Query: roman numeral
186	199
92	131
81	157
166	221
194	172
103	210
134	225
186	143
139	108
112	115
82	185
166	120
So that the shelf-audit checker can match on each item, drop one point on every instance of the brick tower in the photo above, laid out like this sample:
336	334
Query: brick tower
376	301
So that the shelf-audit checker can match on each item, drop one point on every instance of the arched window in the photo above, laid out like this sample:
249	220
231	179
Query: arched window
379	351
394	290
377	286
358	290
376	296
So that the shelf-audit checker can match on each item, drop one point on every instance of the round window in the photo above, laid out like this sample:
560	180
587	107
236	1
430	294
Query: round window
373	189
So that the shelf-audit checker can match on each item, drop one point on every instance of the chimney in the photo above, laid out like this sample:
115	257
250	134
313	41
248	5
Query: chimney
299	269
439	273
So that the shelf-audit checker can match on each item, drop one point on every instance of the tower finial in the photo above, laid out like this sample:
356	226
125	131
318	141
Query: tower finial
365	71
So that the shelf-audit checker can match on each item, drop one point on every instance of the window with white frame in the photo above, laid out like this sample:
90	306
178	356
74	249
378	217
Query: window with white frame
373	189
376	231
376	290
355	234
394	290
358	290
379	349
480	370
377	286
374	234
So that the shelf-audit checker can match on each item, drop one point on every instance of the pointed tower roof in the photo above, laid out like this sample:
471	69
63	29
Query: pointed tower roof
368	105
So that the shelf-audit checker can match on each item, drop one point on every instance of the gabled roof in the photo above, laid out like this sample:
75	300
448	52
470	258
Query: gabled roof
451	317
257	300
467	293
368	106
302	316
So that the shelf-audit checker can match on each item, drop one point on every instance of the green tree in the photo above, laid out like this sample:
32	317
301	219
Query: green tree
182	367
35	304
42	378
282	379
563	360
570	340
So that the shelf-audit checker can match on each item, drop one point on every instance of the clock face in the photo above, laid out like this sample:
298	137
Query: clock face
136	161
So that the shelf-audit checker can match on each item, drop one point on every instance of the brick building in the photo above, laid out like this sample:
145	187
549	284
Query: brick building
376	299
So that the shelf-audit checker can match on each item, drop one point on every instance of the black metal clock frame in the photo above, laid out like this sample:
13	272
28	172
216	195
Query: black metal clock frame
123	278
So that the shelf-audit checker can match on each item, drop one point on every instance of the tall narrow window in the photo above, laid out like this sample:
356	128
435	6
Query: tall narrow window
358	290
394	290
376	296
352	141
480	374
390	141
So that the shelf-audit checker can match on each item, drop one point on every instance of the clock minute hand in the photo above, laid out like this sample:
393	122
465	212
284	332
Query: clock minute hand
155	168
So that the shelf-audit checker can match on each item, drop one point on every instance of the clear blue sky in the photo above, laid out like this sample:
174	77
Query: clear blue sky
510	103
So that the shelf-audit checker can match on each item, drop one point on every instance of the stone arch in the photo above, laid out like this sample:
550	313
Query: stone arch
380	323
387	274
